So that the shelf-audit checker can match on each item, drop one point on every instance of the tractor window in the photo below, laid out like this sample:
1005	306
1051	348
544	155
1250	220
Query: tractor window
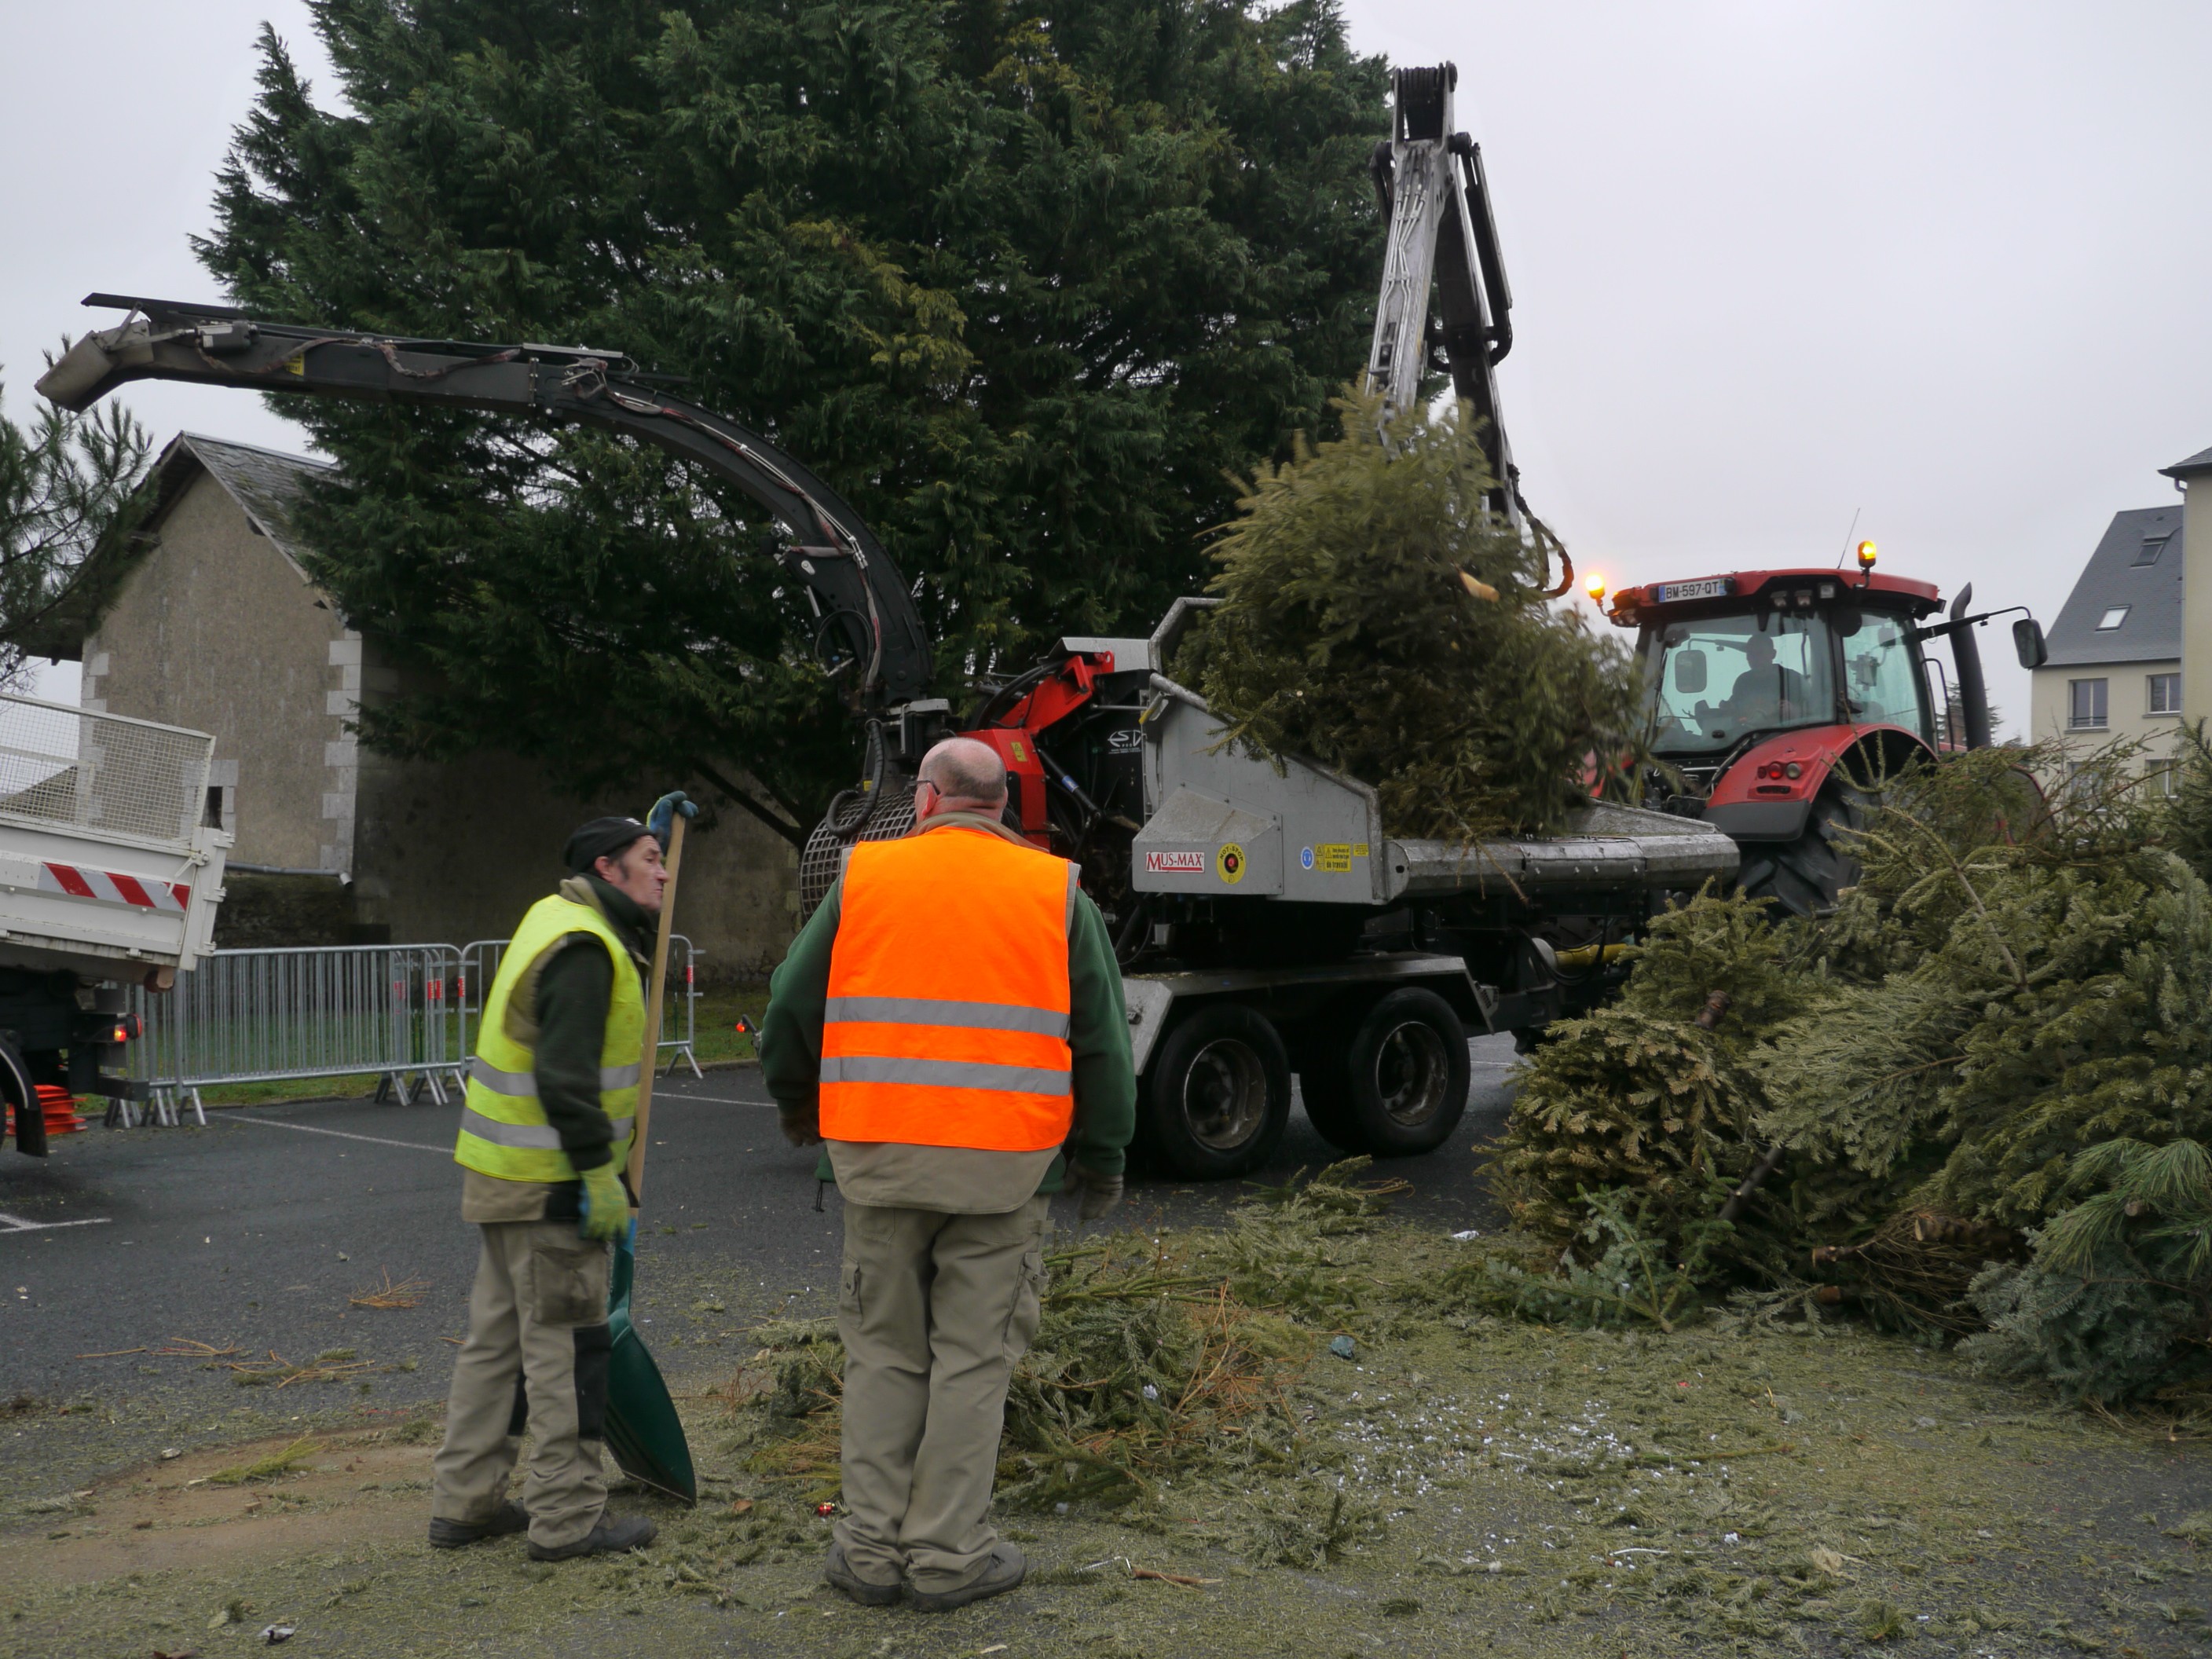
1716	680
1879	675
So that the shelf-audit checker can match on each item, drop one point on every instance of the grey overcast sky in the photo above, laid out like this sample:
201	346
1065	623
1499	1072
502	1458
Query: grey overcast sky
1943	265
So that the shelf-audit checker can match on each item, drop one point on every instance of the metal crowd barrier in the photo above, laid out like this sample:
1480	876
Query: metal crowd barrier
403	1014
280	1015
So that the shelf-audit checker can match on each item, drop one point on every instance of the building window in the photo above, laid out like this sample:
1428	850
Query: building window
212	818
2162	777
2152	547
2085	705
2166	694
2112	618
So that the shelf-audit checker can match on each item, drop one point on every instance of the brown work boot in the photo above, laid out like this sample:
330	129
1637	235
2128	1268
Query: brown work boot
1005	1571
839	1572
455	1535
609	1537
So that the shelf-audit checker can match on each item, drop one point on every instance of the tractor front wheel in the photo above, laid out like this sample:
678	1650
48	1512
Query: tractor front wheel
1804	875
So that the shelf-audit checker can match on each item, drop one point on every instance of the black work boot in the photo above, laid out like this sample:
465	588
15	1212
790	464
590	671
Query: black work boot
609	1537
1005	1571
839	1573
453	1534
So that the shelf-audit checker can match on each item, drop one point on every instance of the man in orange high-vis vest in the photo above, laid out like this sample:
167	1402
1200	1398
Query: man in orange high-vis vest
949	1023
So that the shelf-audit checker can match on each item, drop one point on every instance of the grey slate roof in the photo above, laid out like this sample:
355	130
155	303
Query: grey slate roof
2200	462
2152	592
265	483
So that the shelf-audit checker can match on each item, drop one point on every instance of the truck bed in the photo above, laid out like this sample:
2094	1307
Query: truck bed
105	868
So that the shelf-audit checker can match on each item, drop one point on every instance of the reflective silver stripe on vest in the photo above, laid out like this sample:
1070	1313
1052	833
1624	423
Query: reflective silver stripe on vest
928	1011
502	1083
945	1074
541	1137
523	1086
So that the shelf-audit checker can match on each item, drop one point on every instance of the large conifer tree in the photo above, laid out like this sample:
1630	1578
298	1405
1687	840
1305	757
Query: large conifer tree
1024	281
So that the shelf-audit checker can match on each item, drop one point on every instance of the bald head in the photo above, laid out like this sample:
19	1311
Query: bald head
965	776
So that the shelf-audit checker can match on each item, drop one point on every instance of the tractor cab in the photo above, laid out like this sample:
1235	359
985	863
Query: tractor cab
1775	696
1731	662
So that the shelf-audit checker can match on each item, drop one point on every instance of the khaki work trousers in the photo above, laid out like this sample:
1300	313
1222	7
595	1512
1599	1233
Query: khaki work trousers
934	1310
537	1353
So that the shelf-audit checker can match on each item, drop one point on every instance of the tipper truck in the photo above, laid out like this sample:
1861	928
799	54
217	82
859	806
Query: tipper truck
110	877
1266	924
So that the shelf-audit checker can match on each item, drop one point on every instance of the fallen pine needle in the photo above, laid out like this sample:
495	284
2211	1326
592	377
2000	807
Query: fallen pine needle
112	1353
268	1467
185	1347
407	1294
282	1373
1136	1571
1170	1578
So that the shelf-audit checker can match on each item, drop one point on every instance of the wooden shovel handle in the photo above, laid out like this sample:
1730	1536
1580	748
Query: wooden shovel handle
656	990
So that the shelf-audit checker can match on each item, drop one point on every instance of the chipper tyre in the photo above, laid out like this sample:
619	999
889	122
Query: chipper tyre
1219	1094
1400	1087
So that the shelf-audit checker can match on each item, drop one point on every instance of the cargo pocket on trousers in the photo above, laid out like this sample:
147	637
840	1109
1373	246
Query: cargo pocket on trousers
594	1353
1029	1306
569	1284
848	1291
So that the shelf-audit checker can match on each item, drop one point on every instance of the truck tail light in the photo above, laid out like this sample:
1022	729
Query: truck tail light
127	1029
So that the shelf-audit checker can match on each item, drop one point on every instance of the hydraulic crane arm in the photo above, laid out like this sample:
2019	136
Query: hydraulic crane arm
853	582
1442	237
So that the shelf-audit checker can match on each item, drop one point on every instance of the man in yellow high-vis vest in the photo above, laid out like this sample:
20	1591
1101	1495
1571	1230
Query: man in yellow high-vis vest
552	1095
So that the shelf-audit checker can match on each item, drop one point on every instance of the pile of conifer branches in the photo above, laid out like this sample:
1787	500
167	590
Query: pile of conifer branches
1977	1095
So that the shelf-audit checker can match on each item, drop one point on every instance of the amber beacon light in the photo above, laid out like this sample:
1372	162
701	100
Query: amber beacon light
1866	555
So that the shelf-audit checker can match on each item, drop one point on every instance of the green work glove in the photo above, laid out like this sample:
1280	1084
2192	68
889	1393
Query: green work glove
660	822
1101	1193
606	1203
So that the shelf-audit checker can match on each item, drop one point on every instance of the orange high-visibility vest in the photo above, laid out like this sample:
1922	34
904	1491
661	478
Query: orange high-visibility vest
948	1011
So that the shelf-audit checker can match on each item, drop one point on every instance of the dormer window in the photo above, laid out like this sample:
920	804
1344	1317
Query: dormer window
2112	618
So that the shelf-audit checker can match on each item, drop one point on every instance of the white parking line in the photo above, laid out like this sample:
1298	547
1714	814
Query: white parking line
15	1223
373	1140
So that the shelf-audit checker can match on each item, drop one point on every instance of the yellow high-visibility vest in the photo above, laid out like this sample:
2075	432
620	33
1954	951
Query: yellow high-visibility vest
504	1130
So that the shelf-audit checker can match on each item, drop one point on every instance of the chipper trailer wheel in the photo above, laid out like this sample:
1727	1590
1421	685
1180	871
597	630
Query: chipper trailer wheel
1400	1086
1219	1094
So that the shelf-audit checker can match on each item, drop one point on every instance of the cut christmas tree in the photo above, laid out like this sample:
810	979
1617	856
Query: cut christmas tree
1377	617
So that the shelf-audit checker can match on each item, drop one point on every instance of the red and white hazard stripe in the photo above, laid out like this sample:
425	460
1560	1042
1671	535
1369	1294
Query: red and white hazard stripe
81	883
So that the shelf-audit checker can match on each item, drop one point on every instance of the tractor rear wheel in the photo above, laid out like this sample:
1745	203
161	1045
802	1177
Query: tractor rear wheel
1804	875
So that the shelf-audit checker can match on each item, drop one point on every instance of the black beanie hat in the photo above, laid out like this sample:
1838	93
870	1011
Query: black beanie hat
602	838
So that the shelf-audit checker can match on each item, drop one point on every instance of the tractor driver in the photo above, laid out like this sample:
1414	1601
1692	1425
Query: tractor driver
1764	694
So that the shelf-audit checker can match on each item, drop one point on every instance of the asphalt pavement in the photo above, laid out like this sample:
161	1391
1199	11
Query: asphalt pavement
247	1241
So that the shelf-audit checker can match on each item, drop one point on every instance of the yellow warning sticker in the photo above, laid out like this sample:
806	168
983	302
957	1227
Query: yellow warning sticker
1230	862
1335	858
1359	849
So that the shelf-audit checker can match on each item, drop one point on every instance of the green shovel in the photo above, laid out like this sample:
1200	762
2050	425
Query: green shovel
644	1430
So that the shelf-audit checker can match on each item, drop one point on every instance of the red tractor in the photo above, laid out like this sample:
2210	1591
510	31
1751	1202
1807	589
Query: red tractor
1781	699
